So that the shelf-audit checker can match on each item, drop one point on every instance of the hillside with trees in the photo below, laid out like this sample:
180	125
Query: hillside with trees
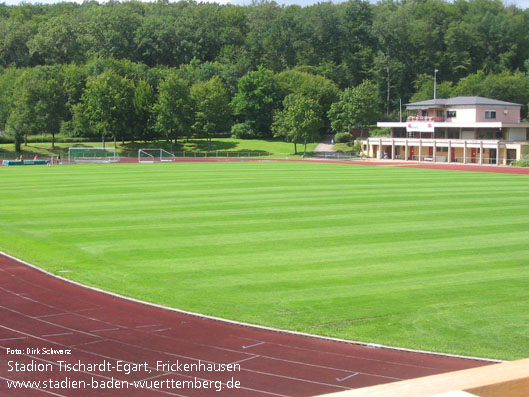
145	71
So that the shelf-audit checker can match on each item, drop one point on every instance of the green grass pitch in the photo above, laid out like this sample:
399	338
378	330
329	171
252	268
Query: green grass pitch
426	259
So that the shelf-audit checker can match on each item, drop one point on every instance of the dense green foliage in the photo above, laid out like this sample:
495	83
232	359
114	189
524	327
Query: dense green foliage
260	53
427	259
299	121
342	137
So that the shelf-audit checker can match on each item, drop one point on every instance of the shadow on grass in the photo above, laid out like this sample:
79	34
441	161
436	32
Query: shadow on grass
193	145
28	152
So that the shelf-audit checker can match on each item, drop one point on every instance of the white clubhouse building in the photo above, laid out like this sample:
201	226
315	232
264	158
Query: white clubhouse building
455	130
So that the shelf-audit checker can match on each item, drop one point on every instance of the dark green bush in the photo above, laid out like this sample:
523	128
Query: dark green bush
342	137
244	130
520	163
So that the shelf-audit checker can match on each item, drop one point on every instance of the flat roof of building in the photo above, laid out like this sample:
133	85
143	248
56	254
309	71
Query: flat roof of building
459	101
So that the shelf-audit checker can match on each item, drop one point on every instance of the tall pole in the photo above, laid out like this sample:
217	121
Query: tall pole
435	84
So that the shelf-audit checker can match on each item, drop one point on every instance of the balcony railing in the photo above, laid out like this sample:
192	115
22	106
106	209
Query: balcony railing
425	118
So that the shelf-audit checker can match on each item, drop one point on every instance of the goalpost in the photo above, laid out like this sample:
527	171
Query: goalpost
155	156
92	155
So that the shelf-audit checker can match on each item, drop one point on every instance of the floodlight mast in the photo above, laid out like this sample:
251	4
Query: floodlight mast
435	83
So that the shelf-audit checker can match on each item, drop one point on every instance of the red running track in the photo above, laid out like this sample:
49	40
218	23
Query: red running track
39	312
394	163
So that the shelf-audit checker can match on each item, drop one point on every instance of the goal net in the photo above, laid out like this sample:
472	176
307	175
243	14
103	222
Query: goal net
154	156
92	155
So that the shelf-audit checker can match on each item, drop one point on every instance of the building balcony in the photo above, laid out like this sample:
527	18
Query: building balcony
426	118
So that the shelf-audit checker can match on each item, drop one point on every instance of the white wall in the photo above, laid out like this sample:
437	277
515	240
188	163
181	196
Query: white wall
463	115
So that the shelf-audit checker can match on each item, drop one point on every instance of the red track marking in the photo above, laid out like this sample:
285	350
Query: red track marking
40	311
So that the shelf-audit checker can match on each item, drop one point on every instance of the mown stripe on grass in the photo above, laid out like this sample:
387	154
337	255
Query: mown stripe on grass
428	259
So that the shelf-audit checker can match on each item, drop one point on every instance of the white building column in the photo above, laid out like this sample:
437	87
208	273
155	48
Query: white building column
420	149
497	153
464	152
406	150
379	154
449	150
393	149
434	151
480	152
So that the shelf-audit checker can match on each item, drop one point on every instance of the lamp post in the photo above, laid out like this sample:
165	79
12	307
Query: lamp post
435	84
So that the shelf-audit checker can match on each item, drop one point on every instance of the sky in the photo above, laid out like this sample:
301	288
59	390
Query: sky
518	3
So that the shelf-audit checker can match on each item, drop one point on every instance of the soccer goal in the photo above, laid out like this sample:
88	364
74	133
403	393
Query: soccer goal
92	155
154	156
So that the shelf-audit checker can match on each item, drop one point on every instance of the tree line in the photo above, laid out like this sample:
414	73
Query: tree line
143	71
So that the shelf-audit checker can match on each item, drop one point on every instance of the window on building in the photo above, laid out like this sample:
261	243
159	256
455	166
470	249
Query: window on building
450	114
490	114
439	134
440	113
453	134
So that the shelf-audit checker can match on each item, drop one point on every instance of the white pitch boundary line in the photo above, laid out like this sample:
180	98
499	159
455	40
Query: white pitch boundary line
254	326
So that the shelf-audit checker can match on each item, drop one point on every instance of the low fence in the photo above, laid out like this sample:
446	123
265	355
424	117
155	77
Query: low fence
334	155
221	154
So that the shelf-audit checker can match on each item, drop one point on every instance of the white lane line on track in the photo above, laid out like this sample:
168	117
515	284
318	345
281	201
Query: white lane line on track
105	330
348	356
255	344
59	334
347	377
244	359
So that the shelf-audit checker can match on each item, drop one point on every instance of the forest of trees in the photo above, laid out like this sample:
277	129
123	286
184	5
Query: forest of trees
144	71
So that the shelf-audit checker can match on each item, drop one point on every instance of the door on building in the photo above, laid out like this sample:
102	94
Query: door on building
473	155
412	152
453	155
511	155
492	156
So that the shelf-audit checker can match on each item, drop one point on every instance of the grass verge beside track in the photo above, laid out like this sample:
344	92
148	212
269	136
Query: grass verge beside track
426	259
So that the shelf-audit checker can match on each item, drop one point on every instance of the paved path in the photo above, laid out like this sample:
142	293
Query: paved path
325	145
